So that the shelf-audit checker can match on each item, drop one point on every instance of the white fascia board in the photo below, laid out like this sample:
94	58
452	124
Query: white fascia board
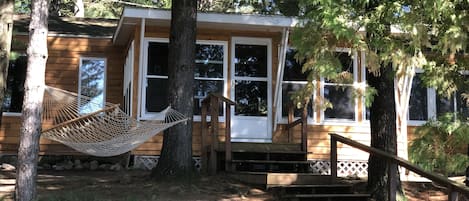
274	21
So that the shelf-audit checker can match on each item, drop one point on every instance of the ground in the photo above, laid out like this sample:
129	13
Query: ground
136	185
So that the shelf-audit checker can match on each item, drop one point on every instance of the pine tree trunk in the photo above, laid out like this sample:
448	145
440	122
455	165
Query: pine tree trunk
6	31
383	134
32	104
176	155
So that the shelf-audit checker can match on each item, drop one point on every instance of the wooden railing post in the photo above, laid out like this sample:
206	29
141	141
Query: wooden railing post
214	132
392	180
452	194
291	113
228	154
304	129
203	137
333	158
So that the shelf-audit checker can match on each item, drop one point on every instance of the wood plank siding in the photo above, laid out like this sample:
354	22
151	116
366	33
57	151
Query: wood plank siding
62	72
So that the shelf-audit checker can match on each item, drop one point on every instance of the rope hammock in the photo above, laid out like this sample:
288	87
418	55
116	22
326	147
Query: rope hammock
106	132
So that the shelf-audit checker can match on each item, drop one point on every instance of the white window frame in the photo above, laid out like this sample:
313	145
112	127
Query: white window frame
431	105
104	79
284	120
144	76
355	84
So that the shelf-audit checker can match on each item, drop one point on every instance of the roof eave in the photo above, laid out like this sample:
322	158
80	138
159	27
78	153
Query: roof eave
217	20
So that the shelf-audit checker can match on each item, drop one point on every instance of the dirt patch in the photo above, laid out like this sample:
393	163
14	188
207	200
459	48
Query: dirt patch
136	185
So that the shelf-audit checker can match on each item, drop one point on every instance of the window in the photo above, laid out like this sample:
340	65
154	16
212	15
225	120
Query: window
455	104
341	94
293	80
92	78
209	74
13	100
418	103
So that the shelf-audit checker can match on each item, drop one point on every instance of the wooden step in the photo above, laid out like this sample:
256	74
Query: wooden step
332	195
333	185
275	179
242	147
270	162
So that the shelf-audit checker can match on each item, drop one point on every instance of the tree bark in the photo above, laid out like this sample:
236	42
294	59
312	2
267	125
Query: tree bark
32	103
176	155
383	135
6	31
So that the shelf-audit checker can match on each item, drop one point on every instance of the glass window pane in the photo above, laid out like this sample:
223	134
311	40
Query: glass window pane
251	98
346	60
209	53
92	72
13	100
418	109
208	70
293	69
251	60
287	90
462	107
444	105
202	89
157	59
342	101
209	61
156	98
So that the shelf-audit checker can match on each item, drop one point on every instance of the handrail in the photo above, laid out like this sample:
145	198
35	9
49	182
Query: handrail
452	185
220	97
211	102
304	126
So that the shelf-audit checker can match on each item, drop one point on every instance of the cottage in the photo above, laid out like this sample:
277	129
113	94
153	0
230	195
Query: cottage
245	58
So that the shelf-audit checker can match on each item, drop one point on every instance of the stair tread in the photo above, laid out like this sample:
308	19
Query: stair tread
312	186
323	195
270	161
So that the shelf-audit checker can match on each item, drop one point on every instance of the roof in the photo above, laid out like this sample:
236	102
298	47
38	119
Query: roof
132	16
71	26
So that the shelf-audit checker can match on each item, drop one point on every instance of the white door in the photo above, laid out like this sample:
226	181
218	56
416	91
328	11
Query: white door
251	89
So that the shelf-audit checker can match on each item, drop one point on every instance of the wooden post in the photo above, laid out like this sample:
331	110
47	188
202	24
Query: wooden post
214	132
203	137
304	129
392	180
291	112
452	195
333	158
228	156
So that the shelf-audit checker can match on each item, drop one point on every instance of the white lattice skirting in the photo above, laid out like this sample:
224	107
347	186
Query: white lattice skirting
345	168
149	162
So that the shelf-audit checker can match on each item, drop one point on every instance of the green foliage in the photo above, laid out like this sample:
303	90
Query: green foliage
429	33
439	144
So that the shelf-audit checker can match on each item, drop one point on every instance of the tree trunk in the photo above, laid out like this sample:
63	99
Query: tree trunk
176	155
383	135
6	31
32	104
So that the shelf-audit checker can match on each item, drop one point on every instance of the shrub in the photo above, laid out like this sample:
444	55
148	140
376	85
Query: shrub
439	145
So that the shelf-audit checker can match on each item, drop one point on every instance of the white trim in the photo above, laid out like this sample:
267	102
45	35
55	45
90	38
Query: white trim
281	52
240	19
104	59
140	73
253	41
363	86
331	121
128	77
12	114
